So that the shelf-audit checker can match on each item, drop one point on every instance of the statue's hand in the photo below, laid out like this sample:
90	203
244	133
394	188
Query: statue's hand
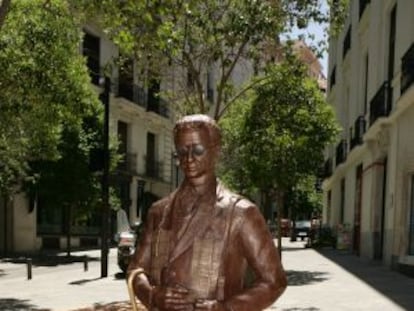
170	298
209	305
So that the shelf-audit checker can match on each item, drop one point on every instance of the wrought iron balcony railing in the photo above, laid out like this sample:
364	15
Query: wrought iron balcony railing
358	131
153	168
159	106
380	105
128	164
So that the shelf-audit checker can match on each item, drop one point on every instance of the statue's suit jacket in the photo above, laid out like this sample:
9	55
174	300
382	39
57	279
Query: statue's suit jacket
226	235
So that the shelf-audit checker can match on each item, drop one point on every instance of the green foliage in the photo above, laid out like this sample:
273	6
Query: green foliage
45	85
275	136
287	128
232	169
68	181
192	38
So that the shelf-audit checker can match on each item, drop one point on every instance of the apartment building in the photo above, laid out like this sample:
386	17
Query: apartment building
369	173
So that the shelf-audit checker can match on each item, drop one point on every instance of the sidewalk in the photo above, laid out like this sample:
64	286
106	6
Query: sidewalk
336	280
61	287
327	280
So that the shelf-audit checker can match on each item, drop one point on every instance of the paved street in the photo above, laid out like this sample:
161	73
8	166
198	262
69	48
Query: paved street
326	280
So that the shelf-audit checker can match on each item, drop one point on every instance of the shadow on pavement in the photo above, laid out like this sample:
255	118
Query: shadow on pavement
9	304
392	284
299	309
48	260
83	281
113	306
120	276
293	249
2	273
298	278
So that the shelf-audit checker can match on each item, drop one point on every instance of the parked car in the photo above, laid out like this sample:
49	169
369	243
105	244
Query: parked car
126	239
302	229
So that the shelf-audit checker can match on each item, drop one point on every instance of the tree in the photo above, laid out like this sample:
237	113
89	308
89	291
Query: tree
44	83
284	132
45	104
196	39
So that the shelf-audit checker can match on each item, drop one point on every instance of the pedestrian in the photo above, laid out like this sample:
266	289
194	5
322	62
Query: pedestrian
200	240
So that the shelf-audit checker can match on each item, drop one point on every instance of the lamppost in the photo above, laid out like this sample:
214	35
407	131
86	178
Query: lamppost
140	198
104	97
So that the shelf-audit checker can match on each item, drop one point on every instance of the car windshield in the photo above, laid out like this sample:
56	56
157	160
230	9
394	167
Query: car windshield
303	223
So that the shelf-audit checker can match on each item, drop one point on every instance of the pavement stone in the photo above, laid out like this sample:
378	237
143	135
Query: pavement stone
318	280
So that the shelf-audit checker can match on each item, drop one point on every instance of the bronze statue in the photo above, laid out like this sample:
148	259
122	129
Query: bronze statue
200	240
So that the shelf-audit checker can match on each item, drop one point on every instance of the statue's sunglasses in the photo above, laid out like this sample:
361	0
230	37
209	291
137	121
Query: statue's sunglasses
195	150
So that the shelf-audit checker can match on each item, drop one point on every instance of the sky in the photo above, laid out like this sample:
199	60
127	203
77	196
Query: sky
318	31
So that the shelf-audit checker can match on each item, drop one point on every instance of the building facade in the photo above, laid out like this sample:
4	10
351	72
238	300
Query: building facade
369	173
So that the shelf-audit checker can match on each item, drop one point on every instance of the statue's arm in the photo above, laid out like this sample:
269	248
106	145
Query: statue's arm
142	259
262	256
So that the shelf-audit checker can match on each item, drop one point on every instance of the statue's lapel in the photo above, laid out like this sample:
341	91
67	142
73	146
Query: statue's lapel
199	223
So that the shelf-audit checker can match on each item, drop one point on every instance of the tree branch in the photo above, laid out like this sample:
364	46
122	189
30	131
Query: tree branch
243	91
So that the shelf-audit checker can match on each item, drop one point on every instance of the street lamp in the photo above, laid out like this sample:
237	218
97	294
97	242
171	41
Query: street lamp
104	97
140	198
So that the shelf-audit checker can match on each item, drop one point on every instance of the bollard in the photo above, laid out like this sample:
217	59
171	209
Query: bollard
85	263
29	268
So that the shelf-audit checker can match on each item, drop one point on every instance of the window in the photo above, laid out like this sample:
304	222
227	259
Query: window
92	52
332	78
411	219
347	42
152	165
366	84
126	79
342	202
362	6
329	206
391	42
154	96
123	144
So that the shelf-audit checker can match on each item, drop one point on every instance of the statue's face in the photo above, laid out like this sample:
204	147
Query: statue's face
197	155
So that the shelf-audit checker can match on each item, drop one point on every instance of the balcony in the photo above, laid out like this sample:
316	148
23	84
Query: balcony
153	169
128	164
138	95
358	132
341	152
159	106
380	105
407	69
133	93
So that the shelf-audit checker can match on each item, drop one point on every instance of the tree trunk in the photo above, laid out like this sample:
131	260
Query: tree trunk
68	230
279	197
4	8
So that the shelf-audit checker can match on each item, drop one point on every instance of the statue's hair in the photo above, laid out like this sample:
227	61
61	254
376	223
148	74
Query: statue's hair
196	122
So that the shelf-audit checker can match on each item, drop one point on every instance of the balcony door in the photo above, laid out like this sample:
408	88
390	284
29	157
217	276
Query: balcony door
357	213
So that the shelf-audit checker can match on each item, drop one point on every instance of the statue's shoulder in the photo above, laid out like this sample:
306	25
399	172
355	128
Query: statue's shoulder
228	198
162	203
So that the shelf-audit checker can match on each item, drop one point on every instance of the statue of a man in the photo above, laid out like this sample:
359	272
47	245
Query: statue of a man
200	240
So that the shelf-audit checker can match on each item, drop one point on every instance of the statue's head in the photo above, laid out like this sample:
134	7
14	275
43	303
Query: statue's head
197	141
